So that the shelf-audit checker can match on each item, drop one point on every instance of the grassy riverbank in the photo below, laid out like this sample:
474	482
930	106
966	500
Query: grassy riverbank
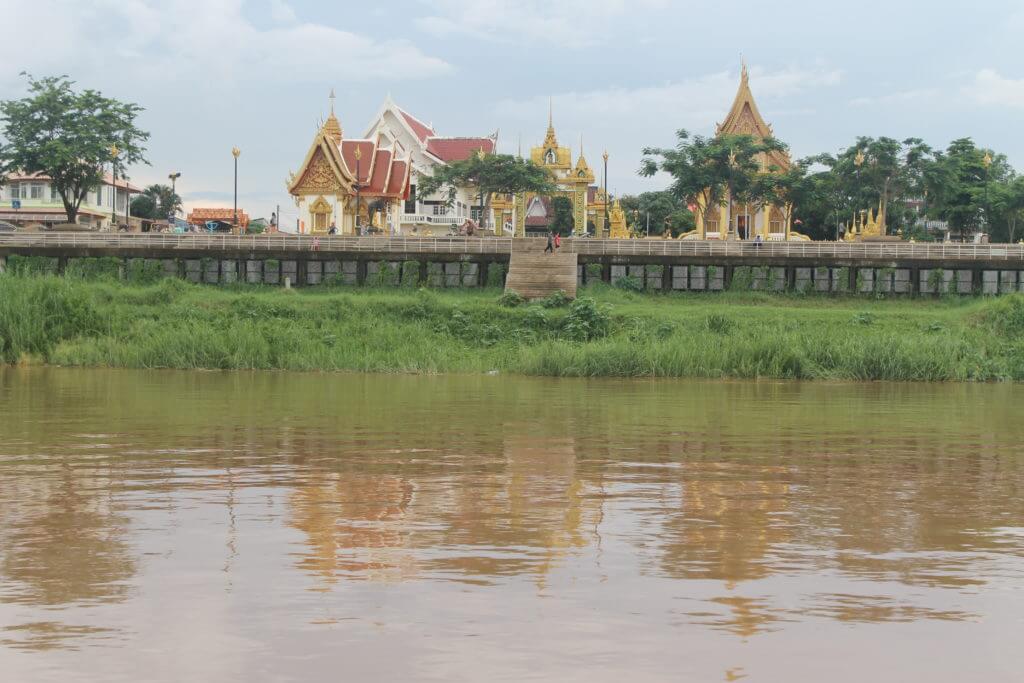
608	333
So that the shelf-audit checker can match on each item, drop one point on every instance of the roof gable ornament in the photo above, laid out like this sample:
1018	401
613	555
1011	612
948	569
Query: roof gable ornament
332	127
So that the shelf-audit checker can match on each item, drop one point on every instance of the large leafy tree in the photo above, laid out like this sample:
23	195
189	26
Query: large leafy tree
884	172
68	136
1007	202
962	187
706	172
665	210
156	201
488	174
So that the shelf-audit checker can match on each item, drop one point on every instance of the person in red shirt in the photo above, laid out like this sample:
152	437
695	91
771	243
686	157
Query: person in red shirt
558	241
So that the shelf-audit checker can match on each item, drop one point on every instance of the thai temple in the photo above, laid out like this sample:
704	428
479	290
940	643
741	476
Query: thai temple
531	214
379	172
735	220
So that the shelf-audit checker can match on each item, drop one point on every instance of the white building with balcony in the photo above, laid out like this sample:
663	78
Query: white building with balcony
395	127
38	203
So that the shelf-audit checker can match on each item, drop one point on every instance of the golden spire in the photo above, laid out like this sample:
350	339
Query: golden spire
551	140
331	127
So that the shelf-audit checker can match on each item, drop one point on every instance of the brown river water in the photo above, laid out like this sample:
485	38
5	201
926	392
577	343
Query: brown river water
187	526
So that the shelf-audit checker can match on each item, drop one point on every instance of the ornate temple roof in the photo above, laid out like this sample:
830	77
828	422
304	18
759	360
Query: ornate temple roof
332	164
745	118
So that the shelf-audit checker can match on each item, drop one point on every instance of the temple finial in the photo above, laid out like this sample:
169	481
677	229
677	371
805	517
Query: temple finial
331	98
551	112
744	73
520	145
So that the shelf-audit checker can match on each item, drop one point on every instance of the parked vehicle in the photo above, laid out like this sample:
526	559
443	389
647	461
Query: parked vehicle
7	227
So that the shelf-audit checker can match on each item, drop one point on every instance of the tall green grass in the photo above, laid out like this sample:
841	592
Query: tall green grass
612	332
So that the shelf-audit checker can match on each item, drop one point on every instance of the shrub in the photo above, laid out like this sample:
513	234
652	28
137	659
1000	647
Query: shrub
557	300
143	272
496	275
742	279
629	283
411	274
386	276
511	299
31	265
97	268
1006	316
586	321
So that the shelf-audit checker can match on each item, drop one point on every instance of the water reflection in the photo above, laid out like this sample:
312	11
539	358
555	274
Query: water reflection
341	503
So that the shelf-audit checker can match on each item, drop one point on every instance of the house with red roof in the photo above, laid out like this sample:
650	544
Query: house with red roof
426	150
350	186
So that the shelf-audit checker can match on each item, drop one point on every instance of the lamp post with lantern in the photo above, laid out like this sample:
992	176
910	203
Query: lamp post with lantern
114	152
235	152
359	156
606	226
174	193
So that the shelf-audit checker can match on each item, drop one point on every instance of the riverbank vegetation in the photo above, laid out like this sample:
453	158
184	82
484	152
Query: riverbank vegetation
607	332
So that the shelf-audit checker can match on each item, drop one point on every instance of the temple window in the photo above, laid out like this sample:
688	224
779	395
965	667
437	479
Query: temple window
549	158
775	226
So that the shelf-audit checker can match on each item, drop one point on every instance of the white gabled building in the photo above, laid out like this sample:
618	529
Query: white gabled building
393	126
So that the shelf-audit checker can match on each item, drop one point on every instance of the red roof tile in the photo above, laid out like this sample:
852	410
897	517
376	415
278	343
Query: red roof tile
381	167
399	182
365	165
422	130
458	149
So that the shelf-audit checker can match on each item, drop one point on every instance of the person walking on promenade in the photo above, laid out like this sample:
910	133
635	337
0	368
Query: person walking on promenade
550	247
558	240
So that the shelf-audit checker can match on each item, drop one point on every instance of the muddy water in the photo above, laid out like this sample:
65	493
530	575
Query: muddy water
232	527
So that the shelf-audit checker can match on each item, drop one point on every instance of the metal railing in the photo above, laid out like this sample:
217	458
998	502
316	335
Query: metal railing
823	251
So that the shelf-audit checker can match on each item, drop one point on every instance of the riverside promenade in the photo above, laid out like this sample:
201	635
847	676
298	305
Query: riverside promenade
900	267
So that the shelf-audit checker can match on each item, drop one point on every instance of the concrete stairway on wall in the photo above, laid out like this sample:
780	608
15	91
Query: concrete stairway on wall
535	274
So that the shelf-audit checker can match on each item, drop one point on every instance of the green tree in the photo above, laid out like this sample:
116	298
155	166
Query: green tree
156	202
665	210
562	222
145	206
488	174
884	173
1007	203
706	172
68	136
962	186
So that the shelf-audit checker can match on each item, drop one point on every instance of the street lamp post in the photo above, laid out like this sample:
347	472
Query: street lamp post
114	151
359	156
987	162
235	152
174	193
606	226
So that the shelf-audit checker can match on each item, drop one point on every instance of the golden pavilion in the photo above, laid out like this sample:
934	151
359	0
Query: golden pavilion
734	220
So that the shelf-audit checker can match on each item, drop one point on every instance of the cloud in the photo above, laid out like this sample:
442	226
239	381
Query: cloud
281	12
695	102
568	23
991	89
208	42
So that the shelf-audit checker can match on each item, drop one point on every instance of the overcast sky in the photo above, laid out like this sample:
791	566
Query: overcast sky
623	74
